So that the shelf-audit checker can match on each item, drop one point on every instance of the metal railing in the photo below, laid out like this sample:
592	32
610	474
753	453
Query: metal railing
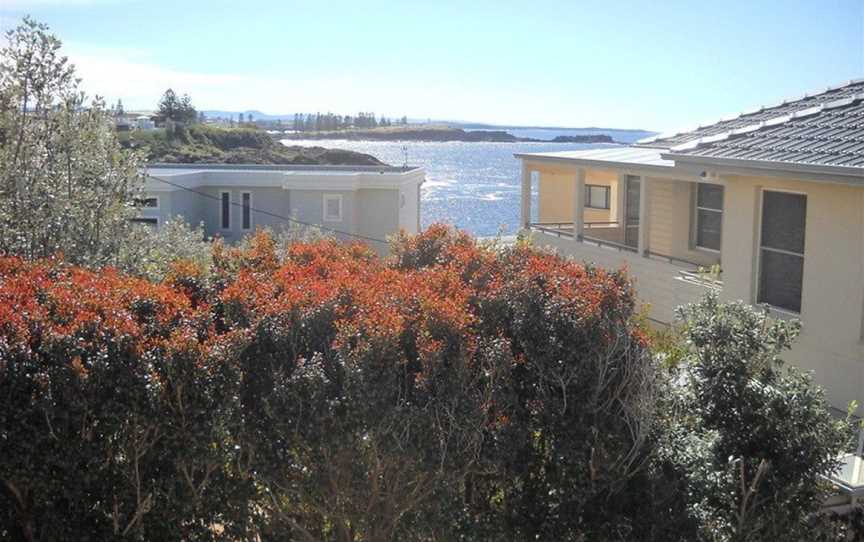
609	244
674	260
558	229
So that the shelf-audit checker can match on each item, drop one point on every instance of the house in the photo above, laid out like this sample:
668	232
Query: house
144	122
770	203
366	203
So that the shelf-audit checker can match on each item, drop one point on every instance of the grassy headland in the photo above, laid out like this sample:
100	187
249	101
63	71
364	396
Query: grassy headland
214	145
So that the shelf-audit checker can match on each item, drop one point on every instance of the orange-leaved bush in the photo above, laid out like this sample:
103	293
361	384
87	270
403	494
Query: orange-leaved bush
318	393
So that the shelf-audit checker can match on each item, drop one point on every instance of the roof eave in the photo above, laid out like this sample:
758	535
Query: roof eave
839	174
599	164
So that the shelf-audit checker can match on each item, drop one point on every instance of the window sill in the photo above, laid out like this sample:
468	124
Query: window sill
779	313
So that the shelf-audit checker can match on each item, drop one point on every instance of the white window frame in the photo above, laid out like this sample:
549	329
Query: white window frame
332	197
221	203
157	198
696	209
243	209
758	277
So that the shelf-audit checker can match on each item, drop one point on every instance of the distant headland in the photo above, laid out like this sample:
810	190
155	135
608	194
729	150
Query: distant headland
439	134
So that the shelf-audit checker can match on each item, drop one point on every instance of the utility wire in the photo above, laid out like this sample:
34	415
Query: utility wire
274	215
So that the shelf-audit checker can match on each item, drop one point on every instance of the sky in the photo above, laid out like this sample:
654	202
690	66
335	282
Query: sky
648	64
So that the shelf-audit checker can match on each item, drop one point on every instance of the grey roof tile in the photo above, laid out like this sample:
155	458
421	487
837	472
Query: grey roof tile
849	90
820	131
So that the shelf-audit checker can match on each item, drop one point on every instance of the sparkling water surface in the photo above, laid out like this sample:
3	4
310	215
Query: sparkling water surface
474	186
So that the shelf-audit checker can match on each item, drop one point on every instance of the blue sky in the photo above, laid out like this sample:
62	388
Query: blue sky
657	65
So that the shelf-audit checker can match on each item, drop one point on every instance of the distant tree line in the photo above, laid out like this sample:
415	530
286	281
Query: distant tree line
329	122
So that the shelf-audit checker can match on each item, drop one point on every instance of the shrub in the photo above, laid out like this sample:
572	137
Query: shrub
318	393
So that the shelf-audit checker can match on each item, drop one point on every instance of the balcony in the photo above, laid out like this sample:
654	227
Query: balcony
643	225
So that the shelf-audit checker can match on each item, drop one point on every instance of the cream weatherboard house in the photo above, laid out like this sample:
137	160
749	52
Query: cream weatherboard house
366	203
771	202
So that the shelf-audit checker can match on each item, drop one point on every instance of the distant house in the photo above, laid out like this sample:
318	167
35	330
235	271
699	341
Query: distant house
772	200
365	203
144	122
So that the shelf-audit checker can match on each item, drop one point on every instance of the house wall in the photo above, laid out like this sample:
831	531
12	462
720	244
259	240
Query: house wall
670	211
308	206
832	298
556	194
268	199
409	208
378	215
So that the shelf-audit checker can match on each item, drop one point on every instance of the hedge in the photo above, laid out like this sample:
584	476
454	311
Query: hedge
450	391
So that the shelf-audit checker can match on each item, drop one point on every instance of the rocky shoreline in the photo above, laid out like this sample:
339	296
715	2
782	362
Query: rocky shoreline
442	134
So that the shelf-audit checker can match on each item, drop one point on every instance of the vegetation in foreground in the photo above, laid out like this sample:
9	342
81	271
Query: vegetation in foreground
451	392
311	391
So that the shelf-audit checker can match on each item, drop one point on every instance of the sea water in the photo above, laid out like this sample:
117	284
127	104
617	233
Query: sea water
473	186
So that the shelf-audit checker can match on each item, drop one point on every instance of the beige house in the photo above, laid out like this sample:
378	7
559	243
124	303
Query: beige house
771	201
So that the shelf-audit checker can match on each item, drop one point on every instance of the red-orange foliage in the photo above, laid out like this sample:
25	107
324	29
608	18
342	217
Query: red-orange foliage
440	298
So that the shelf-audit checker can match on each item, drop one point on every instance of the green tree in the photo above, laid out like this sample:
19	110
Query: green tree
65	183
176	109
755	437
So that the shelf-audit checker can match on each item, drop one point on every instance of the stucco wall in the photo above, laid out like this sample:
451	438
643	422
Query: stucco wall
833	282
409	208
378	214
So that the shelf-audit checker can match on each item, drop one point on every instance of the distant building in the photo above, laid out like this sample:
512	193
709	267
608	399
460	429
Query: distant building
143	122
365	203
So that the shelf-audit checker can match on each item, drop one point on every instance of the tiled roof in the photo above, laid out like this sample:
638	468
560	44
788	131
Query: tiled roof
762	114
828	133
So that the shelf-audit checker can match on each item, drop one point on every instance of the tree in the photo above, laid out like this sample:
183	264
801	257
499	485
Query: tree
755	437
178	110
65	183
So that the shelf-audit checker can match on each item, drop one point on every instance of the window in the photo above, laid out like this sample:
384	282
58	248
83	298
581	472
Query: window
246	218
597	196
150	202
781	251
147	221
709	216
226	210
332	207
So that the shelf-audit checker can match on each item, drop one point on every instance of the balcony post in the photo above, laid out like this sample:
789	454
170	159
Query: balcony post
644	226
526	196
579	205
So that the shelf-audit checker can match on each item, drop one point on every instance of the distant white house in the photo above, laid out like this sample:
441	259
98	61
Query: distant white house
367	203
143	122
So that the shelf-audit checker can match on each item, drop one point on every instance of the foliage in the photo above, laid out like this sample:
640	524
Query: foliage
754	437
153	252
65	183
324	394
211	144
179	110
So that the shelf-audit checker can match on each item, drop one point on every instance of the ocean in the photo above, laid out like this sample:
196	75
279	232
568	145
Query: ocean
473	186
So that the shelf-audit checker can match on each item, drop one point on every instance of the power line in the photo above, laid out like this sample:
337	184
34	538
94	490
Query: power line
274	215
